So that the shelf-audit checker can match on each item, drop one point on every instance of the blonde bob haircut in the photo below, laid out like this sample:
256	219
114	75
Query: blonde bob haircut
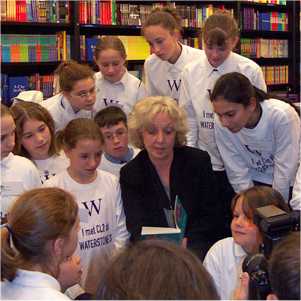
144	112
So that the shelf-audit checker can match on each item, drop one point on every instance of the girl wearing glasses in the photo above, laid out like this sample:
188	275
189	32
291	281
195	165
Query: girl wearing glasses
77	96
36	139
102	221
115	85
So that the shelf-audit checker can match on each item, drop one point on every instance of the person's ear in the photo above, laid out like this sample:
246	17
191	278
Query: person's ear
253	103
272	297
234	42
58	247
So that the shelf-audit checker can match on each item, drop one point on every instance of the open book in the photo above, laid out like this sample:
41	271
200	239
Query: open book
174	234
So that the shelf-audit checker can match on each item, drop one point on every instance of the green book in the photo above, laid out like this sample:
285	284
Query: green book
169	233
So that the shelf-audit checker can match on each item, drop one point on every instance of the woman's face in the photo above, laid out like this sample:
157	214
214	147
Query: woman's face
36	139
245	233
111	64
233	116
163	43
8	129
159	137
83	94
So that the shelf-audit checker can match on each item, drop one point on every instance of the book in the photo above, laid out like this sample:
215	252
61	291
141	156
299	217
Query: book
175	234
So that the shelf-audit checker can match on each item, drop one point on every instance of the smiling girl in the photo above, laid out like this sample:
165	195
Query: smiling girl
36	139
115	85
224	259
102	221
77	96
257	136
162	30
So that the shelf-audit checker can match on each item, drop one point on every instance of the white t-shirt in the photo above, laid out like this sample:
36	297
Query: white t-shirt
114	167
268	153
61	111
164	78
124	93
31	285
295	202
18	174
198	78
224	262
51	166
102	222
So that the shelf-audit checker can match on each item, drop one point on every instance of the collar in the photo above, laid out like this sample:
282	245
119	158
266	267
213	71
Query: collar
221	69
7	159
238	251
66	106
128	156
36	279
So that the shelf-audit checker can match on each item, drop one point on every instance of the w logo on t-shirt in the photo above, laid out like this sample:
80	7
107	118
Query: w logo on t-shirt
92	204
173	84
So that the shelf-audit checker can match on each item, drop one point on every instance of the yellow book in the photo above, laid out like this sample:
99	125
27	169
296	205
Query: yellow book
136	47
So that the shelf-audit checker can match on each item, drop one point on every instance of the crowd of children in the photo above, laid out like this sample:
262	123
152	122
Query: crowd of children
109	154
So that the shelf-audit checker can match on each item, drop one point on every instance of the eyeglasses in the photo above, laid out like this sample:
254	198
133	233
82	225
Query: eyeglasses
85	94
118	134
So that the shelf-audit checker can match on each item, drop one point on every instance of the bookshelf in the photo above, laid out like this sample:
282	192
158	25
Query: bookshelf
124	18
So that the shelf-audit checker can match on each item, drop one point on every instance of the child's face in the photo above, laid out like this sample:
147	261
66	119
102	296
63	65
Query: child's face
84	159
83	95
216	55
116	140
163	43
36	139
244	231
111	65
8	128
234	116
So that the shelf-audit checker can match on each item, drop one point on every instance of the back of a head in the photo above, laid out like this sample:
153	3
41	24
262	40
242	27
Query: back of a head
156	269
110	116
37	216
284	268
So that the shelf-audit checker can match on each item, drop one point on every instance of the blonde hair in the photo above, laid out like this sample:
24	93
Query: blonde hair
37	216
144	112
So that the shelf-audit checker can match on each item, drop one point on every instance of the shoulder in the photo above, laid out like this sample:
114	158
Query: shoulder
278	110
56	180
153	62
244	63
135	167
192	51
52	101
22	163
131	79
221	248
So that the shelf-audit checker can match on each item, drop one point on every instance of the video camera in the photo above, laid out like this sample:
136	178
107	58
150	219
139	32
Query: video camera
274	224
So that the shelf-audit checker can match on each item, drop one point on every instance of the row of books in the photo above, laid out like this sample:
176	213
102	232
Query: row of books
35	48
135	46
278	2
275	75
45	11
270	21
11	86
114	13
264	48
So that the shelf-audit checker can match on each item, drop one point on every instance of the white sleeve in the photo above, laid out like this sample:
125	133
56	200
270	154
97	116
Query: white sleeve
295	202
121	234
186	103
141	93
213	265
33	179
150	88
286	154
258	80
236	168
